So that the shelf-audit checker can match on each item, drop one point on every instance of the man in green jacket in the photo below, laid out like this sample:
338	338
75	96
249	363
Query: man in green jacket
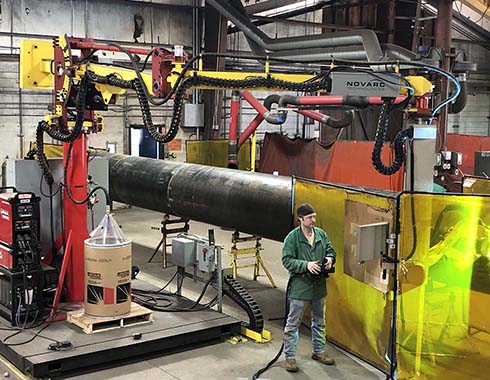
305	250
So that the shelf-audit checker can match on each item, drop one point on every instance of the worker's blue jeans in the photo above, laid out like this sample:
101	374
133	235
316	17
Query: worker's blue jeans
291	331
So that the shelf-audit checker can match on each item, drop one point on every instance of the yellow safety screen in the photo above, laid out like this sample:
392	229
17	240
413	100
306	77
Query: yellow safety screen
476	185
359	307
443	292
215	153
444	305
50	150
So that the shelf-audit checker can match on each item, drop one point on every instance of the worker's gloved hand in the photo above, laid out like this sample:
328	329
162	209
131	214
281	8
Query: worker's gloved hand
328	262
313	267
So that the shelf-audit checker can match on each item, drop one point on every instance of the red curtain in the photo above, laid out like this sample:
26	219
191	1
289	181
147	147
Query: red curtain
346	162
467	145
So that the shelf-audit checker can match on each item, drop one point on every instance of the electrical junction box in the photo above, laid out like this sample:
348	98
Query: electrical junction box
365	84
193	115
205	257
183	252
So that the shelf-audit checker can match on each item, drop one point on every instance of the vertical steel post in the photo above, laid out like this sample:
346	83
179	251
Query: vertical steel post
443	40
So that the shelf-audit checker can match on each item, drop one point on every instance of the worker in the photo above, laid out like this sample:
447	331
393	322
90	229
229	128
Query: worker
306	249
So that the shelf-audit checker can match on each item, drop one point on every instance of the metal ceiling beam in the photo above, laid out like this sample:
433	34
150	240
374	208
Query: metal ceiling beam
294	13
474	32
282	20
481	7
266	5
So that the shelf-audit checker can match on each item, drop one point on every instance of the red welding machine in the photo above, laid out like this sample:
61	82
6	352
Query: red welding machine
19	229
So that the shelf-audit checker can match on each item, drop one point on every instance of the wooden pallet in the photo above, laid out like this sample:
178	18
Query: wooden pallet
90	325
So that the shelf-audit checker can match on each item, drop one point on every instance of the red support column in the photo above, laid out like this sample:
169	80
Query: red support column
233	135
75	216
252	100
254	124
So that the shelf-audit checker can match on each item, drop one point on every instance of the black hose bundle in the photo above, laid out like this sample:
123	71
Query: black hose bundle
253	82
147	119
381	130
81	103
110	79
41	157
43	126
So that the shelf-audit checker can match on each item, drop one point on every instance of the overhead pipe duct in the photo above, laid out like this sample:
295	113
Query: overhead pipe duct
392	51
253	203
367	38
320	117
285	101
460	101
326	54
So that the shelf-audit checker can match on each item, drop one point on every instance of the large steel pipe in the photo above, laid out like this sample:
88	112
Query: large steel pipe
253	203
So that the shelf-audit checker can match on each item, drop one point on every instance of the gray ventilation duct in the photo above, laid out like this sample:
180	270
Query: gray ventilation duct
397	52
257	50
356	45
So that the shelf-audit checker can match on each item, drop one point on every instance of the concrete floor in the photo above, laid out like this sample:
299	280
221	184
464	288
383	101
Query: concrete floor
219	360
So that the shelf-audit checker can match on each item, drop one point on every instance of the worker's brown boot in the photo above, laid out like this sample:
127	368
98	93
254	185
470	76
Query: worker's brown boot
323	358
291	365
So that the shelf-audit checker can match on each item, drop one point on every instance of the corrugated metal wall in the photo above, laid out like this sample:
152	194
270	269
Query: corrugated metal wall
166	22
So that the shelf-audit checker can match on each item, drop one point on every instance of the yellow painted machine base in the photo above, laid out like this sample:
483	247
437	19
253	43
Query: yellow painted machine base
258	337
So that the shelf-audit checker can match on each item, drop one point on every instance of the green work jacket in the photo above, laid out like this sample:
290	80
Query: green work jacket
296	253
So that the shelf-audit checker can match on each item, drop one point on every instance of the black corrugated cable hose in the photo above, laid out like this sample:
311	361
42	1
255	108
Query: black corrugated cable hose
147	119
197	80
110	79
256	82
57	135
381	130
81	103
43	126
41	157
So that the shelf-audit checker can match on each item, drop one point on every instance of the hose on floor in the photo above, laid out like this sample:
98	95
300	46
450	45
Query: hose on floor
256	375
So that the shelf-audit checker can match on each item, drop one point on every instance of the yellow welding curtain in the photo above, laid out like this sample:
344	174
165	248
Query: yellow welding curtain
50	150
444	305
359	310
215	153
476	185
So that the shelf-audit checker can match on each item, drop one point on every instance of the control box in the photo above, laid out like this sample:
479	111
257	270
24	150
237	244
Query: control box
190	250
183	252
205	257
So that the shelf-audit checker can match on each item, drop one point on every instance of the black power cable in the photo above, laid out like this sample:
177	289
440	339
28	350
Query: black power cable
256	375
90	194
153	299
